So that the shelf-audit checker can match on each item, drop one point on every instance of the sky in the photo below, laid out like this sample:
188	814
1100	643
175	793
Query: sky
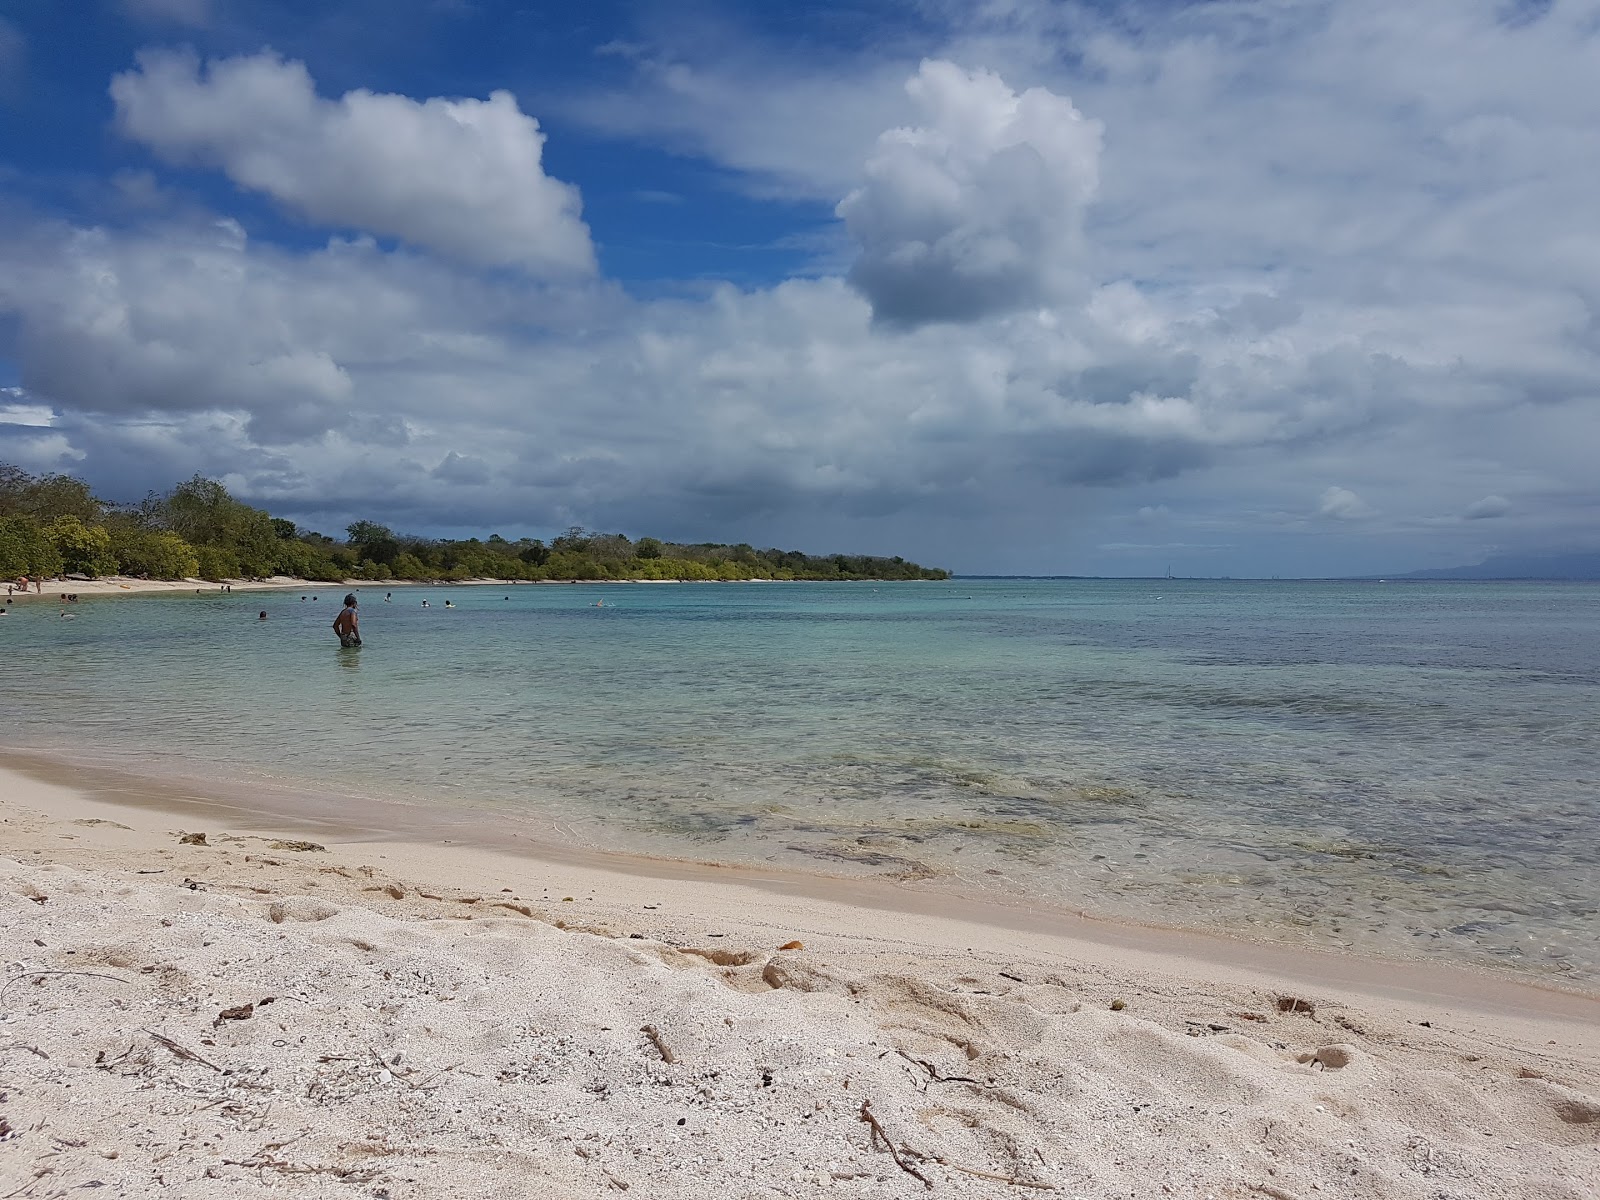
1242	287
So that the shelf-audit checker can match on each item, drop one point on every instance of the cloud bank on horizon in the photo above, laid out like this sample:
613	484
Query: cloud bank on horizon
1241	289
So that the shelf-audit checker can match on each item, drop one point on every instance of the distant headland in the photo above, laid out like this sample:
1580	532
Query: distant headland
54	525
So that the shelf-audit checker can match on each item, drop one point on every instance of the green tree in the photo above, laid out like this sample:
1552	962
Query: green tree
217	563
25	549
304	559
155	553
241	539
46	497
609	548
372	541
409	566
84	549
574	541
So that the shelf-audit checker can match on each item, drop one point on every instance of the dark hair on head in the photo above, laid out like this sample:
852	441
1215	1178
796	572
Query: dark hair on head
350	599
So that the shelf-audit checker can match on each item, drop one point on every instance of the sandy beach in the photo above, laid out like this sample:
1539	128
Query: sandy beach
122	585
271	1009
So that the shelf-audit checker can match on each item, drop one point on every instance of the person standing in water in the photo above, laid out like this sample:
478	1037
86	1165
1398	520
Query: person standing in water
347	625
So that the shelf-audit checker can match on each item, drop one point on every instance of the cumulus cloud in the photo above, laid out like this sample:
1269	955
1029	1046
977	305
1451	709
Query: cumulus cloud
350	380
1387	279
1487	508
462	177
979	210
164	324
1344	505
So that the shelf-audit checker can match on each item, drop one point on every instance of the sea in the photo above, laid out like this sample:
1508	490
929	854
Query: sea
1400	769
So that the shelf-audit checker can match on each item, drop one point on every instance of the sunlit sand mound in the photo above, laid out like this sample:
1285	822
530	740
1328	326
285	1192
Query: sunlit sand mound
273	1026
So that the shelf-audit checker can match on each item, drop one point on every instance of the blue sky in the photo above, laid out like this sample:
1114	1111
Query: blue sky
1242	288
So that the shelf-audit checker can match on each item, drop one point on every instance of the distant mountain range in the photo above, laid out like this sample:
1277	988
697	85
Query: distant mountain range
1519	566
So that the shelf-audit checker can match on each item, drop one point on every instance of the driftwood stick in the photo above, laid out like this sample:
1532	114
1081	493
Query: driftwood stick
933	1071
878	1135
1011	1179
15	979
656	1040
183	1051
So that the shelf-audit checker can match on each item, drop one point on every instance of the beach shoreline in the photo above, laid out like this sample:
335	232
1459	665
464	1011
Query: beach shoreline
122	585
646	1023
487	837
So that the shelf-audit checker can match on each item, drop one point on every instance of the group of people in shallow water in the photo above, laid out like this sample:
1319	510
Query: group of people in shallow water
347	625
38	584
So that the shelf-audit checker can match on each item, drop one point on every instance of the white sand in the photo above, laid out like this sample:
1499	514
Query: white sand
123	585
444	1022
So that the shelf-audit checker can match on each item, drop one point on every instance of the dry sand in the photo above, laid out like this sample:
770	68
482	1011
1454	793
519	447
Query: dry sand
387	1018
122	585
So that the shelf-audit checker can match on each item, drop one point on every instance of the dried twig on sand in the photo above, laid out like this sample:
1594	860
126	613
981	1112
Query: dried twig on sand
656	1040
183	1052
15	979
262	1162
933	1071
878	1135
1011	1179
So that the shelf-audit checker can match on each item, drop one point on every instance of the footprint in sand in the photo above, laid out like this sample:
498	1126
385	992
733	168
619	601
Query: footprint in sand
1331	1058
299	908
1572	1107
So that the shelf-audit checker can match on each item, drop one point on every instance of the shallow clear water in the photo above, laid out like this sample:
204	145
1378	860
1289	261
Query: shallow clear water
1409	768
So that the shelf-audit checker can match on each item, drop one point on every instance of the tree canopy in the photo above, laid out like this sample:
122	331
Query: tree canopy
53	524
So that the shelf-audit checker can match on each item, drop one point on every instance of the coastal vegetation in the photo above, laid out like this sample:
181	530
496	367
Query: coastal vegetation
52	525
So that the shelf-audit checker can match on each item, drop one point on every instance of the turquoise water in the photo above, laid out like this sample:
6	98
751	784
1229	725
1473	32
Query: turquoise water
1410	769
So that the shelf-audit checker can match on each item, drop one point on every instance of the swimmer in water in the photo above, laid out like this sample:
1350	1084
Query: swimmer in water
449	603
263	615
347	623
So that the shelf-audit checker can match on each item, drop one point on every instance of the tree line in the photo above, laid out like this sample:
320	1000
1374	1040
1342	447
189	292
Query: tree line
53	525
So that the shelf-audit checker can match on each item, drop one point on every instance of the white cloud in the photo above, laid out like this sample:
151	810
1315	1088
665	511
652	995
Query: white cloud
782	126
349	381
463	177
1329	242
1344	505
978	211
1487	508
